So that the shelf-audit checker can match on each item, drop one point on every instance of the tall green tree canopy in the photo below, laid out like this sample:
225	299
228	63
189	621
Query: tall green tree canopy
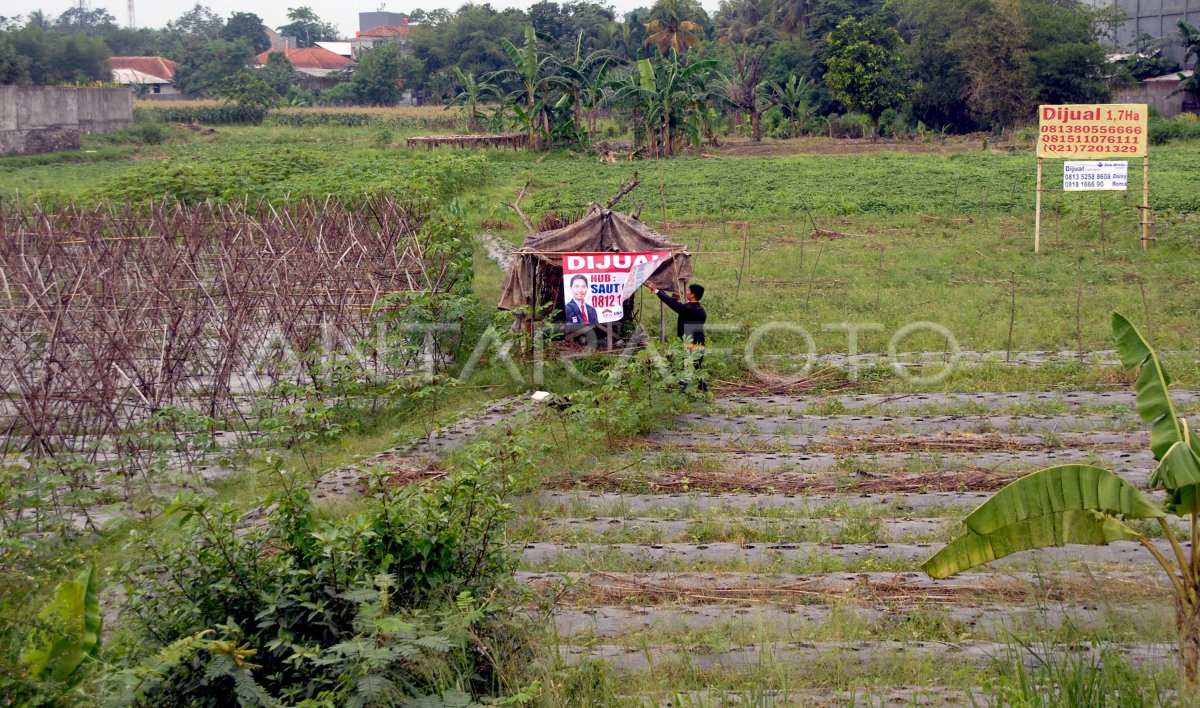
246	26
306	27
204	69
866	66
199	21
379	78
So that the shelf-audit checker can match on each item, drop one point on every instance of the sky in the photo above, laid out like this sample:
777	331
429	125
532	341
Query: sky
156	13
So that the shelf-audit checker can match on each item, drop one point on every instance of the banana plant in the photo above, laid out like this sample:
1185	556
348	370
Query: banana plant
792	99
538	74
1083	504
660	92
473	92
583	86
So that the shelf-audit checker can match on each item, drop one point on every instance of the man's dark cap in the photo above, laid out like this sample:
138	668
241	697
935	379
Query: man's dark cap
697	290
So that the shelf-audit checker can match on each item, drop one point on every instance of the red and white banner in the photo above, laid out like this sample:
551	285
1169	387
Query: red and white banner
596	285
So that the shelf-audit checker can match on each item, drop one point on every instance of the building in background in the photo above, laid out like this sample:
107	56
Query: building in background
1154	18
314	64
145	76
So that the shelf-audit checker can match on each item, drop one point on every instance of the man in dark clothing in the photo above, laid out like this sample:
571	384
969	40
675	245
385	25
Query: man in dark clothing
691	320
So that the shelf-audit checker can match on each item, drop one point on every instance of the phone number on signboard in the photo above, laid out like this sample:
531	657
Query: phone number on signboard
1094	129
1103	149
1091	139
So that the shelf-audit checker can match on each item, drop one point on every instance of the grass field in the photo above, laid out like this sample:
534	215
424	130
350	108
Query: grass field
887	237
646	554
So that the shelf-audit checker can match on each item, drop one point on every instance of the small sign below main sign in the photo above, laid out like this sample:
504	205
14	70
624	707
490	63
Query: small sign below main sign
1090	175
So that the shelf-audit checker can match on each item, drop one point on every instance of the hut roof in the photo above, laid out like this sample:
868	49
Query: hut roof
600	230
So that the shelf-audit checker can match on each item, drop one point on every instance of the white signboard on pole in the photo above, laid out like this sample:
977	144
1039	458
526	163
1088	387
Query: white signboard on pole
1080	176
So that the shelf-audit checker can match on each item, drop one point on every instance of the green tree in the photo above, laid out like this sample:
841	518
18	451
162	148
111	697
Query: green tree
202	70
307	28
866	67
1068	61
85	21
999	82
378	80
792	16
279	73
199	21
31	55
77	58
248	27
248	90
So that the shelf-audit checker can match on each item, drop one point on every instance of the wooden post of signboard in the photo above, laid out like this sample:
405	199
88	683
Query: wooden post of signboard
1145	202
662	322
1037	210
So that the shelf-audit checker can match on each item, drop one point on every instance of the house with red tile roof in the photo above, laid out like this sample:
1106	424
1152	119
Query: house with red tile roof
371	38
149	75
313	64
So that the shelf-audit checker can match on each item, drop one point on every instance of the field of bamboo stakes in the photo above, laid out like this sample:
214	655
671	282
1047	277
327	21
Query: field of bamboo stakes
110	316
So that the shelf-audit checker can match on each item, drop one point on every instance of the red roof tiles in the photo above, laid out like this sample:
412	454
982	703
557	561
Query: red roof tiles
154	66
311	58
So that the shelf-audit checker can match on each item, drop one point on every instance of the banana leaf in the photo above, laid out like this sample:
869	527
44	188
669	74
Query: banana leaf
1153	402
1179	473
1082	526
1052	507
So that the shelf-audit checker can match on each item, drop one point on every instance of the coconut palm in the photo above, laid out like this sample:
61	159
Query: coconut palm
671	27
791	16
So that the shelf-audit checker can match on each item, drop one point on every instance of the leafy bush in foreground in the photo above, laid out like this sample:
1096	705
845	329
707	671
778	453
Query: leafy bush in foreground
376	606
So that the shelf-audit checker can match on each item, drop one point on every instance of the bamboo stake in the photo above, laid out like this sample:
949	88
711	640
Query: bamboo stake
1037	211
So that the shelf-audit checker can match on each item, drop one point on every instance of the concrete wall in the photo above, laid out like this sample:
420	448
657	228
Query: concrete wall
35	119
1157	18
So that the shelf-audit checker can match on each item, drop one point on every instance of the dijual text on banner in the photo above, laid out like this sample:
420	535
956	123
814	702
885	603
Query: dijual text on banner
596	285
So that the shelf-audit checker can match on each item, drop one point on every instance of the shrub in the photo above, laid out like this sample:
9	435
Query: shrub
376	604
851	125
1182	127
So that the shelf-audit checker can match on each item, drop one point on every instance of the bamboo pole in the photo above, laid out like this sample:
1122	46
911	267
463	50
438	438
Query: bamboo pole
1037	211
1145	202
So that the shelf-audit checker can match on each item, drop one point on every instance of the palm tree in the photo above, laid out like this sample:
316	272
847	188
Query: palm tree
791	16
744	21
670	27
536	73
744	89
473	91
